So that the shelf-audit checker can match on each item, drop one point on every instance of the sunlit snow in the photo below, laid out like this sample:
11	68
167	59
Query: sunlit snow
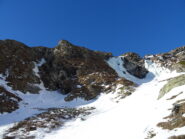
131	118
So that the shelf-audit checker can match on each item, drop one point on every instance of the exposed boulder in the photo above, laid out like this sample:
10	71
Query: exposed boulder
134	57
134	65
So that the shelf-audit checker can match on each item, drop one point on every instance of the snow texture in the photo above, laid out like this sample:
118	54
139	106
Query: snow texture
132	118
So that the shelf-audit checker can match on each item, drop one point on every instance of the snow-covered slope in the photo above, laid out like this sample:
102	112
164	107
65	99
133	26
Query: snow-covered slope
134	117
33	104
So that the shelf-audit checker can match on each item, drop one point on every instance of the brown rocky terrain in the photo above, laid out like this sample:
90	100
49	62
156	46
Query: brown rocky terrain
8	101
176	118
49	120
16	63
173	60
76	71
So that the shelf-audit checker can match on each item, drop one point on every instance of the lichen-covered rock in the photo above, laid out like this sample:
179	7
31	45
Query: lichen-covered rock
172	83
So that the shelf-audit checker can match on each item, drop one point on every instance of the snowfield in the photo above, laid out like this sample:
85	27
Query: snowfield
131	118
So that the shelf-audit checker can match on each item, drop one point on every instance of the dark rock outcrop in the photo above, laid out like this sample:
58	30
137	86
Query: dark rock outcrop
134	65
76	71
176	118
70	66
17	63
8	101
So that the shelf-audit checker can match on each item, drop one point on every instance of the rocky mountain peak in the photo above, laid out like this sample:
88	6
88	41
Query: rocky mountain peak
68	50
66	67
32	78
64	43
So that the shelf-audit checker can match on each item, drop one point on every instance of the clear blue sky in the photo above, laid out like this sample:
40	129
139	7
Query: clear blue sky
118	26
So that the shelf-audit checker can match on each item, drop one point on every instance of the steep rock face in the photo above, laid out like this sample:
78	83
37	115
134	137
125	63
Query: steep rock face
74	70
134	64
16	64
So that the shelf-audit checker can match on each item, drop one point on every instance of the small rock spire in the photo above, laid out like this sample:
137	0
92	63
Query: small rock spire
64	43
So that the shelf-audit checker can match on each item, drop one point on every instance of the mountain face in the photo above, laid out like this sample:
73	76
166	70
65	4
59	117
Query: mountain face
45	89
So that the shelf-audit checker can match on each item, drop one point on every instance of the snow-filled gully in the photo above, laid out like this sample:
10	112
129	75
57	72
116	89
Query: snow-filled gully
131	118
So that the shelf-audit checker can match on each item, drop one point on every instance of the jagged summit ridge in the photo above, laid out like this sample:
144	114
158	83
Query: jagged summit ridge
66	68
